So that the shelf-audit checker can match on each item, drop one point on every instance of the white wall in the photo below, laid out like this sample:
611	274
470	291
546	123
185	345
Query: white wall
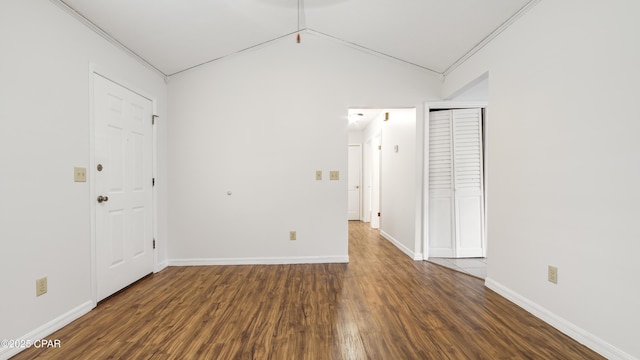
44	215
398	181
563	167
354	137
259	124
477	91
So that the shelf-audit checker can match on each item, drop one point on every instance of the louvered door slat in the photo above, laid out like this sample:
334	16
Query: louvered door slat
467	150
440	151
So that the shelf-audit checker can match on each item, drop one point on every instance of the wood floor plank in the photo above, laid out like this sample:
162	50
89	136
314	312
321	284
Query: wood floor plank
382	305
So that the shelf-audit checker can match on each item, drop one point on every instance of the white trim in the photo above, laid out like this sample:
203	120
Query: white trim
413	255
453	105
360	168
259	261
154	188
570	329
96	29
528	6
425	183
92	186
485	179
376	53
94	69
419	226
425	212
161	266
366	180
49	328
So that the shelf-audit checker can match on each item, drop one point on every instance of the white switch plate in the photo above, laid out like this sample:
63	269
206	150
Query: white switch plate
318	174
292	235
41	286
334	175
79	174
552	274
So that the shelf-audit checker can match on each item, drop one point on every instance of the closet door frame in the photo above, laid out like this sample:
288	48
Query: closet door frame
443	105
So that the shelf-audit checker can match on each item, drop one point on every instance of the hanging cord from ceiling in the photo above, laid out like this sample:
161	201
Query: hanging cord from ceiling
298	36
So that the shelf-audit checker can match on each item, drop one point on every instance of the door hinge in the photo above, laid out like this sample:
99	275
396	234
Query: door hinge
379	147
153	119
154	243
153	181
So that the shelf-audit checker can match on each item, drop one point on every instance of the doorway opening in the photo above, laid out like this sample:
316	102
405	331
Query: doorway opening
364	165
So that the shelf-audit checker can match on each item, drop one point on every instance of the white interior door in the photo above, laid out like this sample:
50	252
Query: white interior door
366	181
354	181
456	209
123	182
375	181
469	209
441	204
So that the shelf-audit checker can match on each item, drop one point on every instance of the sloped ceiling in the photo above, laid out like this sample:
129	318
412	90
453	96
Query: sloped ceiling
173	36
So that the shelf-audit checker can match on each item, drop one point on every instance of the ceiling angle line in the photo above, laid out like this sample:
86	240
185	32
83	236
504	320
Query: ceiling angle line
355	45
528	6
105	35
238	52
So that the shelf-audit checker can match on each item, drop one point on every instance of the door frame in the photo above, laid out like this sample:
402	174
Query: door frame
96	70
366	181
375	192
360	211
441	105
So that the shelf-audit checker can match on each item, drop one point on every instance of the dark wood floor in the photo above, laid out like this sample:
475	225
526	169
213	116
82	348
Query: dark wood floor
382	305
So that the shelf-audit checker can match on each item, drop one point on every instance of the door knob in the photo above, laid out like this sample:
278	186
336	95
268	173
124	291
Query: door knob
357	186
102	198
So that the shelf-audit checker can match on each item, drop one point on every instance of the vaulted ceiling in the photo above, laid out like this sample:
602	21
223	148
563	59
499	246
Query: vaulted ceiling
173	35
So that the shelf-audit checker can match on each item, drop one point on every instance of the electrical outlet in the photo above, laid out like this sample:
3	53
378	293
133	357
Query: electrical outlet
552	274
318	174
79	174
334	175
41	286
292	235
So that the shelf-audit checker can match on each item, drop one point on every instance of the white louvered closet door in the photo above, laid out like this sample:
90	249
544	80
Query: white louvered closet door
456	210
441	205
468	192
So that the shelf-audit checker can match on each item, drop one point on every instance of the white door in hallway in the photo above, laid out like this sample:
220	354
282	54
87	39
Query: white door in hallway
441	204
468	180
375	181
354	181
456	204
123	186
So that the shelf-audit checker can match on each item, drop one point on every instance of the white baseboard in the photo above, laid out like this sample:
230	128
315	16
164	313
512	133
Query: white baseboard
402	247
260	261
161	266
580	335
49	328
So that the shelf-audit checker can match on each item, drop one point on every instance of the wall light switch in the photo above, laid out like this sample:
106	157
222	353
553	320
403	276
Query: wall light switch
334	175
292	235
79	174
318	174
